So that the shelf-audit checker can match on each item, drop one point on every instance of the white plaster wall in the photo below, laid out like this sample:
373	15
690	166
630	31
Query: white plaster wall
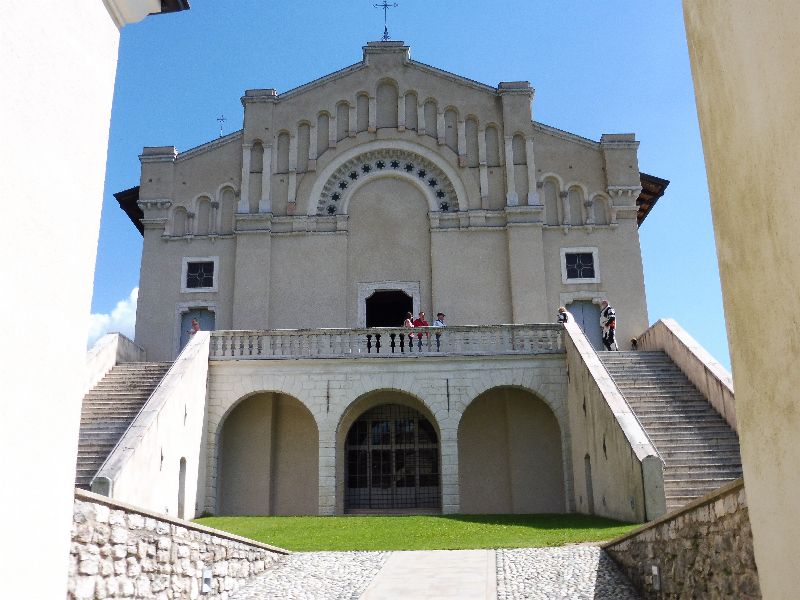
627	478
328	387
744	63
168	428
57	65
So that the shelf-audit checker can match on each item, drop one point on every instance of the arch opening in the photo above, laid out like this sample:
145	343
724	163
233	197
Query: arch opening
392	461
510	455
268	461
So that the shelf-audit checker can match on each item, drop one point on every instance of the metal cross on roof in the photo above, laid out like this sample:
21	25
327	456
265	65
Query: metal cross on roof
221	119
386	6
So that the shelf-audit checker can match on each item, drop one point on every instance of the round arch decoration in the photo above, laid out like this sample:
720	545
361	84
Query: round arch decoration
401	163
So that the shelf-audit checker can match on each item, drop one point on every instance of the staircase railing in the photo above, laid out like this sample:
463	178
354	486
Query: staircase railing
627	472
387	342
705	372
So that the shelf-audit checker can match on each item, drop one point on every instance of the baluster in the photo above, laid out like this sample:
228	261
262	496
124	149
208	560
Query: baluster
278	343
369	343
392	342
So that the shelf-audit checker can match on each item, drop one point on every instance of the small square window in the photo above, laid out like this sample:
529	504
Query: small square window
199	275
580	265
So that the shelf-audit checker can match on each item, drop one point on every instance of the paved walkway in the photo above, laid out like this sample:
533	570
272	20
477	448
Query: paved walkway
580	572
436	575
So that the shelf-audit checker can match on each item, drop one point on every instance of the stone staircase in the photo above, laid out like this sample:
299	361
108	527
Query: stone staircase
700	449
108	409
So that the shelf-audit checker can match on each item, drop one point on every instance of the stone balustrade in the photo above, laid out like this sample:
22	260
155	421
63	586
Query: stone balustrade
380	342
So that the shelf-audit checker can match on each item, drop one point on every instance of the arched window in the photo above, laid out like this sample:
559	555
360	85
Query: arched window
386	99
342	120
411	111
431	115
282	163
471	131
202	222
303	143
180	221
492	147
451	129
362	112
227	209
575	198
551	199
323	132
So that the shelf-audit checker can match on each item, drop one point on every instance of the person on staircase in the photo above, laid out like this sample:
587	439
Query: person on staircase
608	322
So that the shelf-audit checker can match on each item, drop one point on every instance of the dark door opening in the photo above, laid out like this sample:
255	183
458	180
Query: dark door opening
388	308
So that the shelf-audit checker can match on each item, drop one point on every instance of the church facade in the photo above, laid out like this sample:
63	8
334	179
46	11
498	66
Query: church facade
386	188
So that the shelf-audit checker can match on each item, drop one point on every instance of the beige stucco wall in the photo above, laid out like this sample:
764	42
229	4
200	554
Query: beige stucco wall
744	58
488	259
337	391
268	458
510	459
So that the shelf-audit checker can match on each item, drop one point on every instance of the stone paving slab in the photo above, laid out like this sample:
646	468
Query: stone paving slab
315	576
579	572
575	572
436	575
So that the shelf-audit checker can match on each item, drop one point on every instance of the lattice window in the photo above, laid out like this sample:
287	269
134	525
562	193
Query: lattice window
200	275
580	265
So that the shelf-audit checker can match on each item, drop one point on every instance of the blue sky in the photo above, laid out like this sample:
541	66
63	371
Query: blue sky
597	67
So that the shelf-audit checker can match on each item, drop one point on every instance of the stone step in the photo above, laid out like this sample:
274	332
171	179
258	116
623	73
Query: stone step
696	474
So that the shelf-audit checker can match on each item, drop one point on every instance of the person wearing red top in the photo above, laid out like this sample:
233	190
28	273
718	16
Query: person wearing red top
421	322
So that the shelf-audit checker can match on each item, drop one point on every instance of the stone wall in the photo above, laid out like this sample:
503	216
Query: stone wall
704	550
119	551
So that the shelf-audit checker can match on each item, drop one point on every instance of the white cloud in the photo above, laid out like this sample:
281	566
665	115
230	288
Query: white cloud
121	320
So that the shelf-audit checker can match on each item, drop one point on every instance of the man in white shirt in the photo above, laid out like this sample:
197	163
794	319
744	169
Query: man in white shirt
439	322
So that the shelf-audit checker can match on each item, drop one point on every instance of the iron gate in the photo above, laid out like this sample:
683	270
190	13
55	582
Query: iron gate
392	460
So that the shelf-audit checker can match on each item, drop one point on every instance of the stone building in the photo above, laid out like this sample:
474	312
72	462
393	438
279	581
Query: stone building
303	240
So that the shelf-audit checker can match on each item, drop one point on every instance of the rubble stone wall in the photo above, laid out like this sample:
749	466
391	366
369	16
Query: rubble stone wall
704	550
119	551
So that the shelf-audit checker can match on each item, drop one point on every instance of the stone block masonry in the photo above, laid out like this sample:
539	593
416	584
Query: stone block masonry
119	551
704	550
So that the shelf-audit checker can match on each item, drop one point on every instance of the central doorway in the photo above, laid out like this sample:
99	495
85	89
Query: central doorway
392	461
388	308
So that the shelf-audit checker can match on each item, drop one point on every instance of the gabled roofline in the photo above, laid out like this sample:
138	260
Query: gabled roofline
321	80
208	146
482	87
565	135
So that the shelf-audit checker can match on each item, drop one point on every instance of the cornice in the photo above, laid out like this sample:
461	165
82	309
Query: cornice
209	146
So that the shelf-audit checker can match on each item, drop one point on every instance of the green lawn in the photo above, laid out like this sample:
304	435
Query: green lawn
420	532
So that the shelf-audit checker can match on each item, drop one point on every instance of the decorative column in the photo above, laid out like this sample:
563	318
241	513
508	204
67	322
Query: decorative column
265	203
534	199
353	126
212	227
401	112
332	129
565	216
512	199
244	193
440	131
292	168
372	117
421	125
484	171
462	143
